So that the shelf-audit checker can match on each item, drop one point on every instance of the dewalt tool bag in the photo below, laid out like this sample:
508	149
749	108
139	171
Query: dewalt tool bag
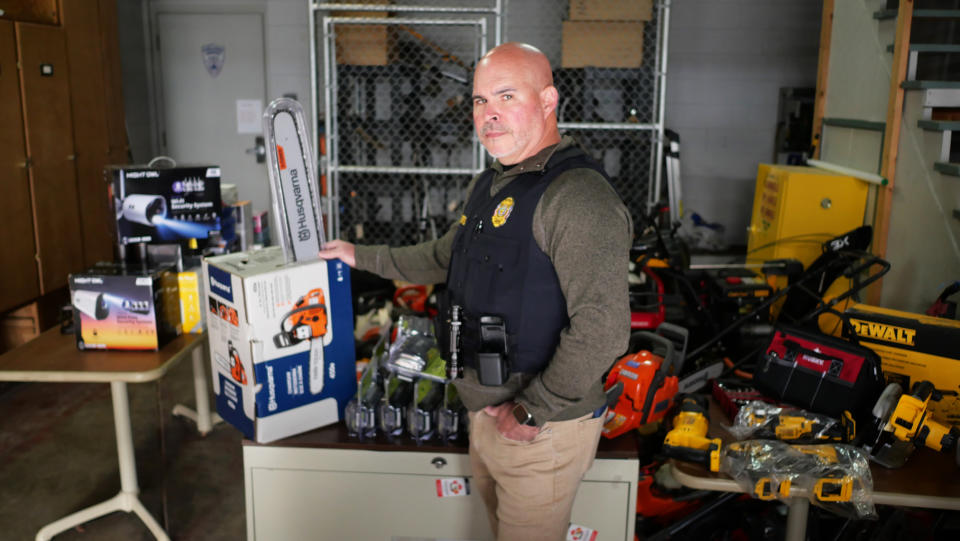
819	372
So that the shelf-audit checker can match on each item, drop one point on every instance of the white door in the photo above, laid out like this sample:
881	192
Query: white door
212	89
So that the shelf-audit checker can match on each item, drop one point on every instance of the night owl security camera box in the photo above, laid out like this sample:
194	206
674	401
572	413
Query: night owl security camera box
165	205
125	307
281	342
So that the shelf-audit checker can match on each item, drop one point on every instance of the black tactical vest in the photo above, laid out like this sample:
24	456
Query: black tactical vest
497	268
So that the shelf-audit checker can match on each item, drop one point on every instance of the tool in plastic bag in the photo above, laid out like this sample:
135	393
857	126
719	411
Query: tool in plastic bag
452	416
360	414
835	477
760	420
427	398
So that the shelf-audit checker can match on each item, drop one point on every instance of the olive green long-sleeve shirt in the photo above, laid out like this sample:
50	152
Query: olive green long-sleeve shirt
585	230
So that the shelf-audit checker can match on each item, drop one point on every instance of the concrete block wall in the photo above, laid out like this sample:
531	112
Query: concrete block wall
727	61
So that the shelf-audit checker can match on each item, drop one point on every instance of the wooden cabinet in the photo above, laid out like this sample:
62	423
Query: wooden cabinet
61	122
323	485
49	136
99	133
35	11
17	262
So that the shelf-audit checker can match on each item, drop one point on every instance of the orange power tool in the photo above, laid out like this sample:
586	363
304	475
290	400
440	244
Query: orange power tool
646	380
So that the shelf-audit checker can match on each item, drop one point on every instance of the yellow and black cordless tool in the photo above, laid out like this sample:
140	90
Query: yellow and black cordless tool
688	439
906	417
911	421
799	426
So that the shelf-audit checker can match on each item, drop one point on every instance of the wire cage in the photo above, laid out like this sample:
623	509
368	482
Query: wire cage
392	82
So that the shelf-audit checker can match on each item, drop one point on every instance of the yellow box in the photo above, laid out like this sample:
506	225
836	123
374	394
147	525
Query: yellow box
602	44
796	209
611	10
190	312
914	347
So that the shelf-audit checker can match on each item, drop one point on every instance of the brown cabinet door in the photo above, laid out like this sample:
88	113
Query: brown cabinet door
18	268
34	11
45	92
95	103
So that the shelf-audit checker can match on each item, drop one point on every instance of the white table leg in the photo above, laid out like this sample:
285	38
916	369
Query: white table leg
202	415
797	519
127	499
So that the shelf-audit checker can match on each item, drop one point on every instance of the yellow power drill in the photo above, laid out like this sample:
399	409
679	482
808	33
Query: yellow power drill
688	439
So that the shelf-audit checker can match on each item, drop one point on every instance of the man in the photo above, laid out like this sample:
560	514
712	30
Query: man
543	245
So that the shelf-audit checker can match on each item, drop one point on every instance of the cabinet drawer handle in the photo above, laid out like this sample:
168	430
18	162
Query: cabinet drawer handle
439	462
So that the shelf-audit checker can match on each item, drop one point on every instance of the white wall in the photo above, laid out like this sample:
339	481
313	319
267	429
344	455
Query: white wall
727	61
134	72
287	58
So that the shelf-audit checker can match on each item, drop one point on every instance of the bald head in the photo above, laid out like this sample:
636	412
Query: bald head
525	57
514	102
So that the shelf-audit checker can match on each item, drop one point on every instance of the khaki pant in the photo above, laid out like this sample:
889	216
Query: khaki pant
528	487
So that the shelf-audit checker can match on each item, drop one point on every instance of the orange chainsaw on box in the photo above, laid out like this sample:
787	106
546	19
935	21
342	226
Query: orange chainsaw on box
307	321
645	381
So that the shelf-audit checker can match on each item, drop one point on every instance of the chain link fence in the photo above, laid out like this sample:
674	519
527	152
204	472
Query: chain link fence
394	89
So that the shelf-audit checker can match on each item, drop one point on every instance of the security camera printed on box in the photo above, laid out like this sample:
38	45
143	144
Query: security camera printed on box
120	308
166	205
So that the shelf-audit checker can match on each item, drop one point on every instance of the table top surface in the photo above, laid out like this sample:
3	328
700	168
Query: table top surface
54	357
929	478
335	437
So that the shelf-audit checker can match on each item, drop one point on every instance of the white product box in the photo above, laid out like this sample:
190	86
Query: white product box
281	342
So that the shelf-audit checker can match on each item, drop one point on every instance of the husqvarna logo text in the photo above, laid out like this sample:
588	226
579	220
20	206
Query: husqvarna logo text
220	283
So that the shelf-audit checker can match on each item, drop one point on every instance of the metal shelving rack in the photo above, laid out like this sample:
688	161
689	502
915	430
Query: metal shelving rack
399	137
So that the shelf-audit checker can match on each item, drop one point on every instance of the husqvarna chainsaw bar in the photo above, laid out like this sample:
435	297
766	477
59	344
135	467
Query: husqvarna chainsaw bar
293	182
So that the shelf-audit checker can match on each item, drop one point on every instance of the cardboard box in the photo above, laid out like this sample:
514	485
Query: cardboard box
611	10
165	205
281	342
116	306
602	44
364	44
912	348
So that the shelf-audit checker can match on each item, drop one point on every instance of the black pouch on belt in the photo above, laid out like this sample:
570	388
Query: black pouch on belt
493	367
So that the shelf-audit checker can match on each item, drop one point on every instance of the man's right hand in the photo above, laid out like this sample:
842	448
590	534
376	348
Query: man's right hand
338	249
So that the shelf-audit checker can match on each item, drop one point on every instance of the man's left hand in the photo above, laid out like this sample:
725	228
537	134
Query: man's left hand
507	425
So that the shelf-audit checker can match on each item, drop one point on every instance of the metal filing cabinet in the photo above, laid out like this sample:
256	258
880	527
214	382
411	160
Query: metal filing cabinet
325	485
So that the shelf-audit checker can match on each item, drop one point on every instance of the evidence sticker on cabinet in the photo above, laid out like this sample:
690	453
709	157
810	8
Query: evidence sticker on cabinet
580	533
453	486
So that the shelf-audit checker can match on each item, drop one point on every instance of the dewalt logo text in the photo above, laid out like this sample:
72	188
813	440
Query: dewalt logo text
887	333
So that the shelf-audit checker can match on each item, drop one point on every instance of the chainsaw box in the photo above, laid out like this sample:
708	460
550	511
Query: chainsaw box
281	342
913	347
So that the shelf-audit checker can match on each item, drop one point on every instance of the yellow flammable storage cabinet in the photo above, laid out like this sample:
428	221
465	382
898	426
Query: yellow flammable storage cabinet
796	209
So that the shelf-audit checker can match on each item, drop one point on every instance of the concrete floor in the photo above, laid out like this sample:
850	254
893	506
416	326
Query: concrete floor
58	454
